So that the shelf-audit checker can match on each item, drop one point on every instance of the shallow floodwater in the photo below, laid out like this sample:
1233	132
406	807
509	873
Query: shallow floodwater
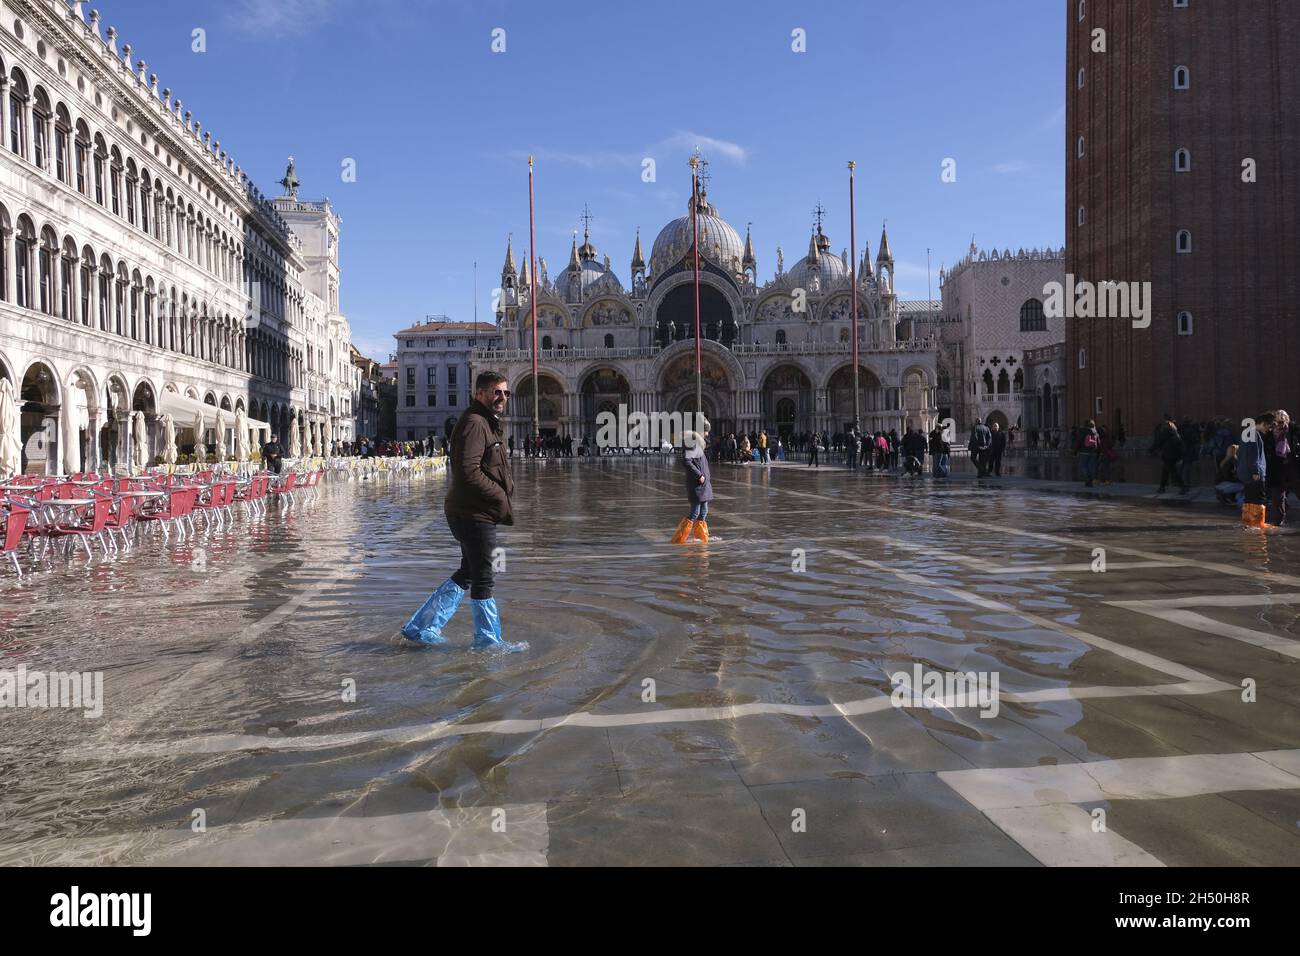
678	704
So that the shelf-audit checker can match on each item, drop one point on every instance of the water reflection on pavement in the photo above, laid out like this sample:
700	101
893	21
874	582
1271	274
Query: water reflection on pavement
680	704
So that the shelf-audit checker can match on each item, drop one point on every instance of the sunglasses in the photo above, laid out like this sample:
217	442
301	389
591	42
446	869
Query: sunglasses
501	392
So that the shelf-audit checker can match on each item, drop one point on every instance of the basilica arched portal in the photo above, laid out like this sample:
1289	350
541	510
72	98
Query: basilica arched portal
677	386
675	316
552	413
787	400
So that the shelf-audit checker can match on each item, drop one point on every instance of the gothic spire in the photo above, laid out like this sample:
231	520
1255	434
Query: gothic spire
509	268
638	259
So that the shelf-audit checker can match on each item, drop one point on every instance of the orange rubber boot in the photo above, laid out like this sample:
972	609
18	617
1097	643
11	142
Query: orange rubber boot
683	531
702	531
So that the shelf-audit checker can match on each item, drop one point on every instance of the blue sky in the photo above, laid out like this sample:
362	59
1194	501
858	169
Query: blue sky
440	126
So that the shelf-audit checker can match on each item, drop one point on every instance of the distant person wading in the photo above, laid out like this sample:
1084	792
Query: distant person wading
699	487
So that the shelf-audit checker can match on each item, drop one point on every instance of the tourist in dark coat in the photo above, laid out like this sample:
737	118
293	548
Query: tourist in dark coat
997	448
699	487
478	499
1172	450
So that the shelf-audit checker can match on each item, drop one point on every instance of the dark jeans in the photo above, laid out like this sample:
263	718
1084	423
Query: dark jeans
1255	493
1171	470
995	463
1088	461
478	539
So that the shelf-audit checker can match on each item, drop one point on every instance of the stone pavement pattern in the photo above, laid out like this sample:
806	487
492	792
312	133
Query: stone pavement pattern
770	738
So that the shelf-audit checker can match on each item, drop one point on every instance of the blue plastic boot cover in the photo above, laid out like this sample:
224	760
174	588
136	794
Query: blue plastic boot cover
427	623
487	627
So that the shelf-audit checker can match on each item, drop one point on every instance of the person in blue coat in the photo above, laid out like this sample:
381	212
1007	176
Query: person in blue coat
699	486
1252	463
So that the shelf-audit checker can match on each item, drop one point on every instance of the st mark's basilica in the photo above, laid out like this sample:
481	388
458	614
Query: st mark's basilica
776	354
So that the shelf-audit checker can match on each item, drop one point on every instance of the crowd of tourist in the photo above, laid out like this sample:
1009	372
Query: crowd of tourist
550	446
1256	464
387	448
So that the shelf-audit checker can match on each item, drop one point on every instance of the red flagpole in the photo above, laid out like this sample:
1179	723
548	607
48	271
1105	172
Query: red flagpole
695	235
853	273
532	293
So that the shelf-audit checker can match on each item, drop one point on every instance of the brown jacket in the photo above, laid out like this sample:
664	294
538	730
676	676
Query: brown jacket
481	482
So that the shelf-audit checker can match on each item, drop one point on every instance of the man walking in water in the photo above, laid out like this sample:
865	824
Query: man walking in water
477	501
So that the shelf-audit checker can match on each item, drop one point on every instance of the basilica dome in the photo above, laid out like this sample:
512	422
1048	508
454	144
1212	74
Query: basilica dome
819	262
719	243
590	275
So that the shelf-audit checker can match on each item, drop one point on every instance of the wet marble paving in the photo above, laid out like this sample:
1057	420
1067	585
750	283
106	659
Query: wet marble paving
720	704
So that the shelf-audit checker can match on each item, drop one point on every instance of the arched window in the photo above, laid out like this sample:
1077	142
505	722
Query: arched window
1083	9
48	252
24	243
5	233
780	336
40	128
67	269
546	341
1182	161
609	341
87	282
146	197
1083	358
1184	323
115	181
171	322
132	184
1183	244
1004	383
81	160
1032	318
1082	77
62	140
18	112
148	311
101	162
1079	148
945	381
1182	78
105	292
988	382
1018	380
121	325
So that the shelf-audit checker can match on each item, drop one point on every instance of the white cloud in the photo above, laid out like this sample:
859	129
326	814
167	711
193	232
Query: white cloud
680	140
709	145
596	159
274	18
377	347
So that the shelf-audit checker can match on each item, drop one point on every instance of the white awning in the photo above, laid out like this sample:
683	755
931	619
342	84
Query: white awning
182	409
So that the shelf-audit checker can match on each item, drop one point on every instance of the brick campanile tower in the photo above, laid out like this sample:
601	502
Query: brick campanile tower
1183	170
